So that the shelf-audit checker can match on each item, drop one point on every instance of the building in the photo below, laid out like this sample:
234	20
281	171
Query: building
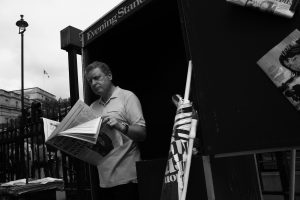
37	94
10	105
10	101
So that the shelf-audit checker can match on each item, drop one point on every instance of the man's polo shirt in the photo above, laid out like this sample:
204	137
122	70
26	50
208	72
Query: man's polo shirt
118	166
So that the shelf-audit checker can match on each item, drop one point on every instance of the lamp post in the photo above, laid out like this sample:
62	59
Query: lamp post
22	24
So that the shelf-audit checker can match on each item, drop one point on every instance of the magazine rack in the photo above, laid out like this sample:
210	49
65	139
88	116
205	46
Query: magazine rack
147	43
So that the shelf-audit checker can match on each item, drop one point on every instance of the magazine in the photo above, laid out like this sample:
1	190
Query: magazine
81	134
284	8
282	65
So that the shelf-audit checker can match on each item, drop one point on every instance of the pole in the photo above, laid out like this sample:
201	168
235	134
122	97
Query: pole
292	174
208	178
189	157
73	76
188	82
22	24
22	111
192	134
22	79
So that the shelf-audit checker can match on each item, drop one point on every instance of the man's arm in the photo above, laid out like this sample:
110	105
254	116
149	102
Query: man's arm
135	132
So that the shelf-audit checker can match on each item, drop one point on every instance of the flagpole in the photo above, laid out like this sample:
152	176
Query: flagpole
177	188
192	134
44	80
188	82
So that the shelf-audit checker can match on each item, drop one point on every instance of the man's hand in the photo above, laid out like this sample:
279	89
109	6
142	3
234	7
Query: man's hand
134	132
112	122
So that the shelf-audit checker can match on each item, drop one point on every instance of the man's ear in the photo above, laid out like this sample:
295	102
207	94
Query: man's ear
109	76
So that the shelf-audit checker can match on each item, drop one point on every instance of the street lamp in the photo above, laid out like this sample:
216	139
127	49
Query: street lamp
22	24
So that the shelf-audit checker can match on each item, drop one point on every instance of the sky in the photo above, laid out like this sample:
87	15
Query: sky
46	18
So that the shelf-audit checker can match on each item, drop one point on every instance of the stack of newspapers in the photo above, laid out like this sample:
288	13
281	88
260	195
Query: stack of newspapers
19	187
284	8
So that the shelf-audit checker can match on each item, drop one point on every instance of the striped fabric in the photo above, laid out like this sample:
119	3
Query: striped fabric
174	174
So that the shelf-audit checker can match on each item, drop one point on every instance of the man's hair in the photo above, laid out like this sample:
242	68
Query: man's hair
97	64
289	51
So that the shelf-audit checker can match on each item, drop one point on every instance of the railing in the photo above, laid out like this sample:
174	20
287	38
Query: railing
24	154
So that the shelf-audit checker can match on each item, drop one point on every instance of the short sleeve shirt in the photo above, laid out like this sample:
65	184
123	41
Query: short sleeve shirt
118	167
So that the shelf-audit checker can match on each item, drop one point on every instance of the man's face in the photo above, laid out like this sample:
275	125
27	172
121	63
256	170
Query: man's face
99	82
293	63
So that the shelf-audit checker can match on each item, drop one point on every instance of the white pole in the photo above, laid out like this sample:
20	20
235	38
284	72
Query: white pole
191	135
188	83
189	157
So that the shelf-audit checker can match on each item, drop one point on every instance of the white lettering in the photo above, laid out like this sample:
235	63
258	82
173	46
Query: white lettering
171	178
121	12
113	20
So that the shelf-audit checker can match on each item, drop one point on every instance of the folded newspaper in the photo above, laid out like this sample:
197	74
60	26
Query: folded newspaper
18	187
282	65
81	134
284	8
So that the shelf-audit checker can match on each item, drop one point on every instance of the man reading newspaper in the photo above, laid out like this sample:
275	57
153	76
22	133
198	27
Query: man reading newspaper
121	112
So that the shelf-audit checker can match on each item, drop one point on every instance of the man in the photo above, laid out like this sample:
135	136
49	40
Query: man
122	113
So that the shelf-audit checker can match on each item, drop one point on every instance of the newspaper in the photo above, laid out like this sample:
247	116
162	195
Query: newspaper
80	134
18	187
23	181
284	8
282	65
15	182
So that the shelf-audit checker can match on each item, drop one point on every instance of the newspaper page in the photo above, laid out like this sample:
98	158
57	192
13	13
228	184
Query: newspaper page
80	113
282	66
81	134
87	131
108	141
49	127
73	146
284	8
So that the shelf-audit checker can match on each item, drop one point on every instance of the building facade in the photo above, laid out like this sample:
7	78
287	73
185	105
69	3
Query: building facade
37	94
10	102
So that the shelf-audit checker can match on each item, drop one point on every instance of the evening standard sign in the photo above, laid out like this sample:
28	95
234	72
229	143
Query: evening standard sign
112	18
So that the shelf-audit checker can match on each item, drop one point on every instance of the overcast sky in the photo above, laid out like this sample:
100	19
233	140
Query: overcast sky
46	18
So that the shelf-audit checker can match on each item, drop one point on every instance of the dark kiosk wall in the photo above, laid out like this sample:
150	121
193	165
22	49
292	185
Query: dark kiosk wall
147	55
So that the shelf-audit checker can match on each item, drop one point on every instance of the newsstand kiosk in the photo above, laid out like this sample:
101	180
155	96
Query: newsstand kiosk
148	44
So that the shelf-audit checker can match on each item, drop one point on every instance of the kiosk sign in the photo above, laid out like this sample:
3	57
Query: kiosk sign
112	18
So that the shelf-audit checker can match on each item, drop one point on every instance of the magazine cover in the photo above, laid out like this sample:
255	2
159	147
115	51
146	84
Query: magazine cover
282	65
284	8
